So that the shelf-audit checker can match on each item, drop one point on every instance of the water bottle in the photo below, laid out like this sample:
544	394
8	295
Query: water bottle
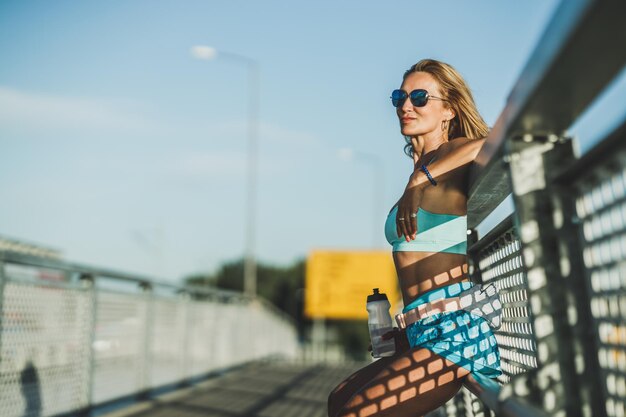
379	323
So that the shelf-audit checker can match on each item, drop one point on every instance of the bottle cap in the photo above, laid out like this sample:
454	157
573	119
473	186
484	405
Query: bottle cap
377	296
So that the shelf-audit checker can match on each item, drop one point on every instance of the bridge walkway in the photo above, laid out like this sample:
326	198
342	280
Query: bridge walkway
271	389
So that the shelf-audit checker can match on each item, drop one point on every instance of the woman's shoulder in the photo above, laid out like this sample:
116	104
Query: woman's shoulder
462	140
452	144
472	145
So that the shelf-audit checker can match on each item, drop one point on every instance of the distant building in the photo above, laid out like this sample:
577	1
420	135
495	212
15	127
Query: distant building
27	248
16	270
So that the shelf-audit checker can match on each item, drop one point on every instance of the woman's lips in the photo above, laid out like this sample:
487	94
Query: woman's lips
406	119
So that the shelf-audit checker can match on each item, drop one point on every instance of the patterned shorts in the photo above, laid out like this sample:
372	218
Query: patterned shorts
459	336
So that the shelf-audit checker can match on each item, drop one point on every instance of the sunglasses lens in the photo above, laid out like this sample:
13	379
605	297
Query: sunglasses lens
398	97
419	98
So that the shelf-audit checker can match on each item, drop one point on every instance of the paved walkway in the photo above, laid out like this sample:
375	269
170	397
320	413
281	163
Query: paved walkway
257	390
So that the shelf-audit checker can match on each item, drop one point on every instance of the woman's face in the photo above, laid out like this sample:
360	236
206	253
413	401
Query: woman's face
422	121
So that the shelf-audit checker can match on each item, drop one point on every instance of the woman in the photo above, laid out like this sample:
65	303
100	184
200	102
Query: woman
427	229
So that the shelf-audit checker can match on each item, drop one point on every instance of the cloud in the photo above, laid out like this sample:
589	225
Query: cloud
198	151
203	52
37	111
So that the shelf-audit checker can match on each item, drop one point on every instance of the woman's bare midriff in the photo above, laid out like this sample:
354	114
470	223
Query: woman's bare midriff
420	272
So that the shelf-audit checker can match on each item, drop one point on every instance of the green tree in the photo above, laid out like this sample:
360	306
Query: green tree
282	286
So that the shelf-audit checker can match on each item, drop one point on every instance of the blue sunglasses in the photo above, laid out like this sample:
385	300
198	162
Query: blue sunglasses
418	97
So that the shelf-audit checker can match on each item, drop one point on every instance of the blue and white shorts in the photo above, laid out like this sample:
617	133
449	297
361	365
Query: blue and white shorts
459	336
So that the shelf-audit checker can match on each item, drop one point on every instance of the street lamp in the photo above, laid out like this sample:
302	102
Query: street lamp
378	192
209	53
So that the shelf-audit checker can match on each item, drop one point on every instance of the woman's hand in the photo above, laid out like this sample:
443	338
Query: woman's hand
399	336
400	339
406	217
461	153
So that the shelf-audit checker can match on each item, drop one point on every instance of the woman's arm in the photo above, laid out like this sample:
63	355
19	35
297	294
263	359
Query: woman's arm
463	153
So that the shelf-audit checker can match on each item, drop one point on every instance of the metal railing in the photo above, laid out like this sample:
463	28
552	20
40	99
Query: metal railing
91	336
559	260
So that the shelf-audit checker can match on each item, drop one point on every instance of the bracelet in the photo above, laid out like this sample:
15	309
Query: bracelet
430	177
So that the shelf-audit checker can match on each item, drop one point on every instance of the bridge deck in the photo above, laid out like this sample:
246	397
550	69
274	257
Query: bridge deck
257	390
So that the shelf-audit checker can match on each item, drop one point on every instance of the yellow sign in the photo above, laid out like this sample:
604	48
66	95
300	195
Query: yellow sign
338	283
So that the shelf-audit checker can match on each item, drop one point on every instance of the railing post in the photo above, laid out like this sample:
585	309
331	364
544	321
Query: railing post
146	356
90	288
215	323
2	282
183	301
533	159
187	347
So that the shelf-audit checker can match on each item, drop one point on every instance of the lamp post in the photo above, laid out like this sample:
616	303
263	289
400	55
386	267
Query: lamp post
378	191
209	53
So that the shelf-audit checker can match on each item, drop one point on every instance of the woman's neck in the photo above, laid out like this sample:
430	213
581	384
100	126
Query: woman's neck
423	145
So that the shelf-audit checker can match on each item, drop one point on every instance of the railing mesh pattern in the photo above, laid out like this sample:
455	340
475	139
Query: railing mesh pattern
120	331
66	346
601	208
167	352
499	261
473	406
44	349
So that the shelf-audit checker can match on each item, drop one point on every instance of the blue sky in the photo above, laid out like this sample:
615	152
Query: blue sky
122	150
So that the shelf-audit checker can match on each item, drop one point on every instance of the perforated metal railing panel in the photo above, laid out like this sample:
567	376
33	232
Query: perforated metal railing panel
501	263
202	337
473	407
601	208
119	358
168	342
44	348
67	346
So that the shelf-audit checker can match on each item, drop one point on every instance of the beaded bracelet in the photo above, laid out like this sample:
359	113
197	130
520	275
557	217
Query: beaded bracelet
430	177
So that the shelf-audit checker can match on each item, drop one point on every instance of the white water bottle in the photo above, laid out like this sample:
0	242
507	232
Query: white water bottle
379	323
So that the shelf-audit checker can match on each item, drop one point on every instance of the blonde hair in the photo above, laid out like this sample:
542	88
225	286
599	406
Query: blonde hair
467	122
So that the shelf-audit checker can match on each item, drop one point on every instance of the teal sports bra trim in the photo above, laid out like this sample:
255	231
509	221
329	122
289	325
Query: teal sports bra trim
436	233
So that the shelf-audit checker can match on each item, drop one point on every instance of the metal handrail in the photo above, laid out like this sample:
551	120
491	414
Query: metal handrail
567	70
141	281
601	152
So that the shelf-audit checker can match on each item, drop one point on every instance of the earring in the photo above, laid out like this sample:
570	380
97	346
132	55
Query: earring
444	125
